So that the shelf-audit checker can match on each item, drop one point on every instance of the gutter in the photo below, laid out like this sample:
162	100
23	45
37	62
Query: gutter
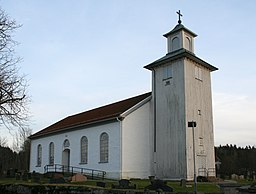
120	119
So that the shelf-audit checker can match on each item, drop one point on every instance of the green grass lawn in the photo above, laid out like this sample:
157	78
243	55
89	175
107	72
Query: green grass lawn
14	181
141	184
246	182
201	187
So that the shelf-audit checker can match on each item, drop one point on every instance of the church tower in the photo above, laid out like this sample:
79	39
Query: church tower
181	84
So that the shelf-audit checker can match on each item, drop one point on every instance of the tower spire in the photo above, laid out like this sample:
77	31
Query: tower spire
180	15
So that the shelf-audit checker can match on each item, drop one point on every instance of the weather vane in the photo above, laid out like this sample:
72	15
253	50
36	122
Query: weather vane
180	15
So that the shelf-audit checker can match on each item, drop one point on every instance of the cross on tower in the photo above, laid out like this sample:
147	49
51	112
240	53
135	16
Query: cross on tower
180	15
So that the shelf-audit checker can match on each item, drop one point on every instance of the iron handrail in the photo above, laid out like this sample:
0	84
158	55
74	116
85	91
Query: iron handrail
92	173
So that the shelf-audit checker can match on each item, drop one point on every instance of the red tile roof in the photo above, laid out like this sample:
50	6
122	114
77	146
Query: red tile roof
95	115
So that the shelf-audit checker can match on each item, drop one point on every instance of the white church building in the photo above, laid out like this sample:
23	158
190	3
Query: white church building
146	135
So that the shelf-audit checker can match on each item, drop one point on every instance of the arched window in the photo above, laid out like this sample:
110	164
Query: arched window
188	44
84	150
104	147
175	43
39	155
51	153
66	143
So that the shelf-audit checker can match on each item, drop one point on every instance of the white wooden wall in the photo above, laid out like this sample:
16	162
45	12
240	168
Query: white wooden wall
170	122
93	135
199	97
137	143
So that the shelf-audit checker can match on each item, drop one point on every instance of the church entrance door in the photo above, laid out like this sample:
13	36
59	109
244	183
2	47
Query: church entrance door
66	159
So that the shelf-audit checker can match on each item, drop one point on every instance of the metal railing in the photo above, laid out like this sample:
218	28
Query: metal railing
211	172
202	172
90	173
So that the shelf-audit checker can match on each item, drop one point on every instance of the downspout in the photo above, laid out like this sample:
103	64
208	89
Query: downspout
30	156
154	120
154	108
119	119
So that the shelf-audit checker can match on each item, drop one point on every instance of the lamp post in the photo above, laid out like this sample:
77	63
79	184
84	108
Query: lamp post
193	125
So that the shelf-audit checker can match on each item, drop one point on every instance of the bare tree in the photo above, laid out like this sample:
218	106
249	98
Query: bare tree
13	87
3	142
21	146
20	140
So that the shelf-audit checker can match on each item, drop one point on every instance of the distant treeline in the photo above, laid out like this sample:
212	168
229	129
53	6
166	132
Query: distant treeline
236	160
233	159
13	160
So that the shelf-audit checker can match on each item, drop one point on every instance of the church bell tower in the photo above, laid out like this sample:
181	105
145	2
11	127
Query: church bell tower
181	84
180	37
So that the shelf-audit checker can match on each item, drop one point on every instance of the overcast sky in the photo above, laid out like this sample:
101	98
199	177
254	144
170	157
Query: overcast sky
82	54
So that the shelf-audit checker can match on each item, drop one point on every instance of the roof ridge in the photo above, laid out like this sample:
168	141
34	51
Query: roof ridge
111	104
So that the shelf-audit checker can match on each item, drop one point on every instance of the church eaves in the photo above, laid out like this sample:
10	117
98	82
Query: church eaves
177	55
180	27
101	114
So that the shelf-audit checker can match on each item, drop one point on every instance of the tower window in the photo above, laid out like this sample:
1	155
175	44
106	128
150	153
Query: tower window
188	44
198	73
167	72
175	43
201	141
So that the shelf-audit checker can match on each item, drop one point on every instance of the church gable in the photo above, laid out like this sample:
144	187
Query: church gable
100	114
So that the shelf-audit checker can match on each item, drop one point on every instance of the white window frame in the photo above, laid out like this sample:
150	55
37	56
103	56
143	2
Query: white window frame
66	143
104	148
39	155
51	153
84	150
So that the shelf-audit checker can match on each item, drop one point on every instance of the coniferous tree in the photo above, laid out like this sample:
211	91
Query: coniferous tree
240	161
